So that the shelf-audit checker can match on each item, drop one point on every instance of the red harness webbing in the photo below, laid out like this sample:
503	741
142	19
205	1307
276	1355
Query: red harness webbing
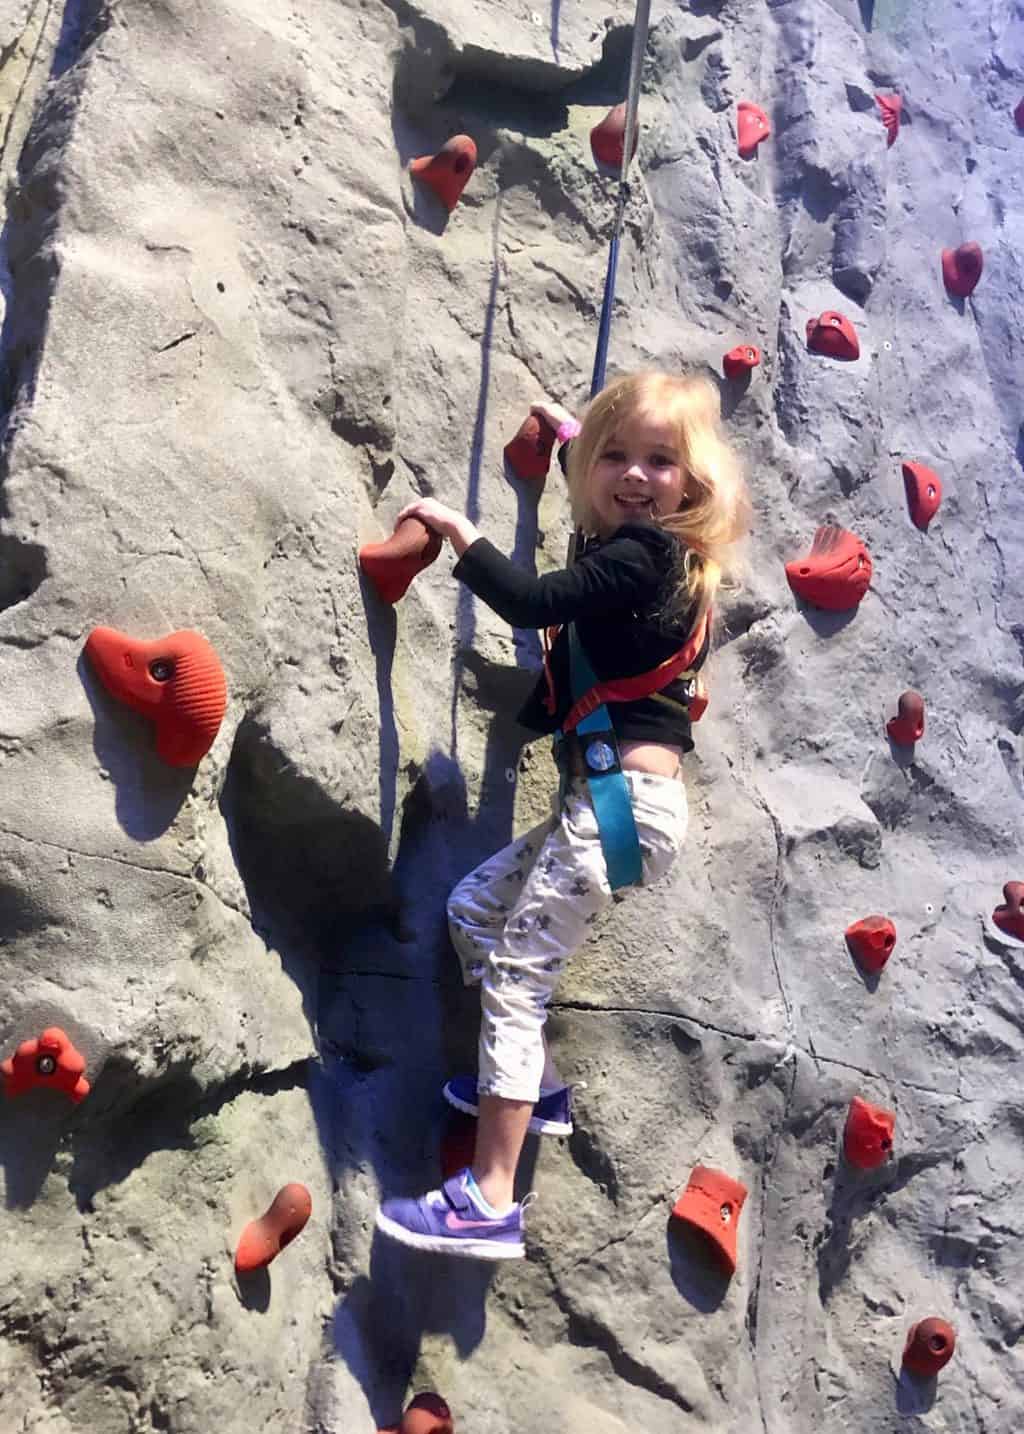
624	689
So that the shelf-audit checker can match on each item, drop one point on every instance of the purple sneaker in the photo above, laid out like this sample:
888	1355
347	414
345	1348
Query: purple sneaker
449	1222
552	1114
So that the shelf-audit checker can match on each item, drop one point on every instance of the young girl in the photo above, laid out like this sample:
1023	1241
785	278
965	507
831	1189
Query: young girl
658	495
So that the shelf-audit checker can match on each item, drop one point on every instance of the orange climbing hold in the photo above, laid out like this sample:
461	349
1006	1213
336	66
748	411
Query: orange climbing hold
924	493
711	1203
867	1139
607	139
740	360
752	126
176	681
961	269
891	106
392	564
1009	918
529	453
427	1414
448	171
835	574
908	727
833	335
264	1239
929	1347
872	940
50	1061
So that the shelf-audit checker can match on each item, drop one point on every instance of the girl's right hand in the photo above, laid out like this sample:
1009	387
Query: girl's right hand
553	414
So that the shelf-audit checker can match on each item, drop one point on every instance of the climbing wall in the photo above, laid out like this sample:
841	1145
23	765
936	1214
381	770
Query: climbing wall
237	339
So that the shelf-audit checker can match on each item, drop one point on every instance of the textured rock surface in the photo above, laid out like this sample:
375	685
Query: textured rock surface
235	342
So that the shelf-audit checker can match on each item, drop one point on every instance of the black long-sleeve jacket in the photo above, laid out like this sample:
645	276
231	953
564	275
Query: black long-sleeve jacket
614	593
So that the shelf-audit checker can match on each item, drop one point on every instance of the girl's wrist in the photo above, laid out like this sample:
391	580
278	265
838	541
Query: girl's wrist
462	534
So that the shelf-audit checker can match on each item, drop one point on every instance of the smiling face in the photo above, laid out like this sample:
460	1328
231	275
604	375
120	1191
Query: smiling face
636	474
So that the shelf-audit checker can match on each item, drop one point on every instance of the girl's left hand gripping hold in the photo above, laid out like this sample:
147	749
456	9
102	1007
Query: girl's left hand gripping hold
451	524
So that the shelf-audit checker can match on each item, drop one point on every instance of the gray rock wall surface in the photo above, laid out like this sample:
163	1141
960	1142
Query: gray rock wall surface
236	341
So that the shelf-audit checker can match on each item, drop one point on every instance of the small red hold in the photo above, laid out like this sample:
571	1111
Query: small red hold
752	126
833	335
872	940
961	269
924	493
50	1061
836	573
529	453
867	1139
929	1347
458	1143
607	139
427	1414
176	681
392	564
448	171
908	727
740	360
711	1203
1009	917
264	1239
890	105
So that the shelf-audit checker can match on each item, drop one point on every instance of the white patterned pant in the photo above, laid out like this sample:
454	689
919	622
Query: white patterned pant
517	919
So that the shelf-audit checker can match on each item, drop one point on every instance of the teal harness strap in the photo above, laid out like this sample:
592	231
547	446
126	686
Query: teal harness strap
605	781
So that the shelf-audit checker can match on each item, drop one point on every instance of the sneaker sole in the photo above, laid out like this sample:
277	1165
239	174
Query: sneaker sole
537	1126
443	1245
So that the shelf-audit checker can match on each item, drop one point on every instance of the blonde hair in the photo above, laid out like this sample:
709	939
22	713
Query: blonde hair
716	511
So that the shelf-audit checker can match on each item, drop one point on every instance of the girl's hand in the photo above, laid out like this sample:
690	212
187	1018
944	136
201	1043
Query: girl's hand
553	414
435	515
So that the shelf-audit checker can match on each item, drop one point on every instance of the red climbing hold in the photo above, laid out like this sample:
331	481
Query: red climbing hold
392	564
924	493
711	1203
529	453
427	1414
740	360
608	138
908	727
448	171
458	1143
961	268
176	681
1009	917
835	574
930	1345
264	1239
752	126
867	1140
890	105
872	940
1018	115
832	334
50	1061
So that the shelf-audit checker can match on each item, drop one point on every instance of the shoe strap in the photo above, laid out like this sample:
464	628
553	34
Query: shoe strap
454	1191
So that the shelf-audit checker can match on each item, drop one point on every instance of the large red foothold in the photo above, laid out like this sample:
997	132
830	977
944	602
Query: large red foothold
711	1203
392	564
427	1414
50	1061
740	360
872	940
458	1143
890	105
832	334
924	493
908	727
930	1345
448	171
1010	916
176	681
835	574
961	269
607	139
529	453
752	126
867	1139
264	1239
